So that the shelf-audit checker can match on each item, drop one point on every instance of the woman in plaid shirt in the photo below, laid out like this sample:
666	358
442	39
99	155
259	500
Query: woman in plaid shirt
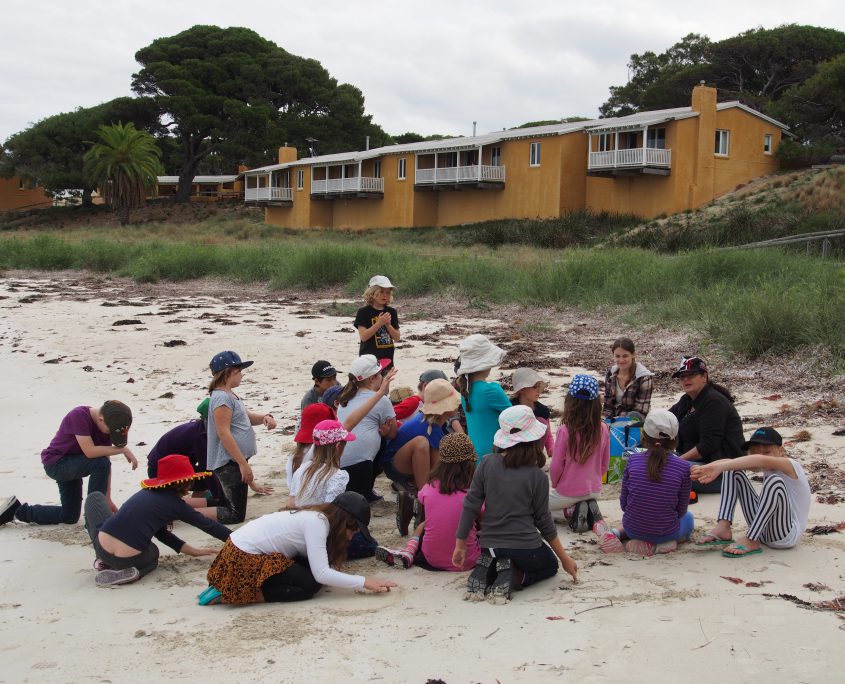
627	384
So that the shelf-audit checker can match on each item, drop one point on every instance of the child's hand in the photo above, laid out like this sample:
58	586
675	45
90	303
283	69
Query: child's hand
246	473
269	421
387	427
705	473
384	318
378	585
130	458
260	489
571	568
459	555
189	550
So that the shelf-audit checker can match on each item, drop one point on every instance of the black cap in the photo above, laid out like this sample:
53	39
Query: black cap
118	419
357	506
322	370
764	435
690	365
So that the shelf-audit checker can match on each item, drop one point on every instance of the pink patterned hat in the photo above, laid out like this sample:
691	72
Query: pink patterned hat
331	432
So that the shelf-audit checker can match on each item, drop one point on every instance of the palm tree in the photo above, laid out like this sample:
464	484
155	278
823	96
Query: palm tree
124	164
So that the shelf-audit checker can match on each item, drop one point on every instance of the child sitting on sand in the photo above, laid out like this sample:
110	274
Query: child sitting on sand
655	493
324	375
123	541
231	439
777	516
518	528
527	388
376	322
321	480
443	496
581	455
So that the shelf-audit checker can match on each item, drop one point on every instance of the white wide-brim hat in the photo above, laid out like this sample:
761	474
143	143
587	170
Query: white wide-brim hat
477	353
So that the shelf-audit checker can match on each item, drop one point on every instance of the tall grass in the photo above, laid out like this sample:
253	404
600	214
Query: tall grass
752	301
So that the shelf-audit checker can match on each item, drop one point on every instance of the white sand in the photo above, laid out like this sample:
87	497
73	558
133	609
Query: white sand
663	619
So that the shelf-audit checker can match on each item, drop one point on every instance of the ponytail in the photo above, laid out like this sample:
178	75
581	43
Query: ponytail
464	387
658	452
349	391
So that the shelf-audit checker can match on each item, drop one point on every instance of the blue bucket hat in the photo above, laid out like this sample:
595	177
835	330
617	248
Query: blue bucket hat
584	387
227	359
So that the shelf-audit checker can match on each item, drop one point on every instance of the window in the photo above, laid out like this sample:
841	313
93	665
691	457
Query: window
300	179
377	168
534	156
496	156
401	174
605	142
767	143
722	142
656	138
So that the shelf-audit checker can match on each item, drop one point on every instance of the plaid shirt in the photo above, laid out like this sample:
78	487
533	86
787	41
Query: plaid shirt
636	397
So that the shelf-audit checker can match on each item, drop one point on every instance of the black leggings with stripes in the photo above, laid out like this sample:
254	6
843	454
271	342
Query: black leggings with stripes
768	513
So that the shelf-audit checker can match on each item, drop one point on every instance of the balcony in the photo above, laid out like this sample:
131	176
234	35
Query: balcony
460	175
359	186
636	160
270	195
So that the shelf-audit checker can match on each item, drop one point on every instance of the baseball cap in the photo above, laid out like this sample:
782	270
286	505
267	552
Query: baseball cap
367	366
432	374
117	417
322	370
764	435
227	359
661	424
690	365
381	281
584	387
357	506
330	395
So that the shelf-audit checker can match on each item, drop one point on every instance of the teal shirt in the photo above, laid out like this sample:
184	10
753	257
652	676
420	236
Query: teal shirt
487	400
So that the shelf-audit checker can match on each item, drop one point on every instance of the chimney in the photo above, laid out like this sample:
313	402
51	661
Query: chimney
367	143
474	123
287	154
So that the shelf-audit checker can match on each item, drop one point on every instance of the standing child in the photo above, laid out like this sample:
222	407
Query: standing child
527	388
581	455
443	498
518	528
777	516
376	322
231	439
481	399
655	493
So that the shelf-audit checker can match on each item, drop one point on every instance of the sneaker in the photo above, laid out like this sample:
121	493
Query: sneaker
666	547
593	513
502	586
568	512
386	555
112	578
404	511
610	543
481	577
578	521
373	497
640	547
406	560
8	507
101	565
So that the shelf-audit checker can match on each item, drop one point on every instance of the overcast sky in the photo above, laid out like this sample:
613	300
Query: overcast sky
429	66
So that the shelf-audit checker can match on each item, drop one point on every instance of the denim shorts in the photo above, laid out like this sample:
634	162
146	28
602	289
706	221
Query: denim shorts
402	479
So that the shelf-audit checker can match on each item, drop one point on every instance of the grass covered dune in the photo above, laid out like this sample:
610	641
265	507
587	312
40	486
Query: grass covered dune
752	302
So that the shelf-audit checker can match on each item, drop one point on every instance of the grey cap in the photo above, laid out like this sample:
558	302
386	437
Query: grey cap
432	374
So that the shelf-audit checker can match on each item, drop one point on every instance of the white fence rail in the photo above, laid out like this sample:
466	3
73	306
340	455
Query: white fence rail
335	185
650	156
268	194
461	174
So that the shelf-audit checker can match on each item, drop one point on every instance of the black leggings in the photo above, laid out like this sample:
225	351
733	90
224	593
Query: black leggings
360	478
294	584
232	508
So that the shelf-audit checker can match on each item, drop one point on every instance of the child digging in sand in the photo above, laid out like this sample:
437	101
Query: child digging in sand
777	515
512	486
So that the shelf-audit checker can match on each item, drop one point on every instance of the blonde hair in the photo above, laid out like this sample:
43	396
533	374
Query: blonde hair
370	294
326	462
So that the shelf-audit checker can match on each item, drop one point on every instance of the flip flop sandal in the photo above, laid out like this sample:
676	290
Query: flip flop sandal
714	542
209	596
745	552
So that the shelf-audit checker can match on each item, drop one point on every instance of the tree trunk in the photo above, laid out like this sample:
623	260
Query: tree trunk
86	198
123	215
190	162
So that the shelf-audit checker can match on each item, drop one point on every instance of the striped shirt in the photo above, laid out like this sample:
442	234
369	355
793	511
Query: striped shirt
654	509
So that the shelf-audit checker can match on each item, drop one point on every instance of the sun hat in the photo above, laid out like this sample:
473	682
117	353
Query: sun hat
367	366
518	425
432	374
381	281
584	387
322	370
440	397
690	365
524	378
173	468
227	359
330	432
311	415
357	506
456	447
202	408
118	418
330	395
661	424
478	354
764	435
398	394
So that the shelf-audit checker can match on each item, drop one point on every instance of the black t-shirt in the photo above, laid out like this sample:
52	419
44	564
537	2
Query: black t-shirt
540	410
711	423
379	345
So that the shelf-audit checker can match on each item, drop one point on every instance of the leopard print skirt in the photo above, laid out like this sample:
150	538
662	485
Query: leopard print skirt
237	575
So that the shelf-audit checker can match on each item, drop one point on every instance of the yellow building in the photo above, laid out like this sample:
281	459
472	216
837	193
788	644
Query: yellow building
15	194
205	188
649	163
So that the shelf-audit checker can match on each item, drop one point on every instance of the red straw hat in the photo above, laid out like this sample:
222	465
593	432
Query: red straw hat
311	415
173	468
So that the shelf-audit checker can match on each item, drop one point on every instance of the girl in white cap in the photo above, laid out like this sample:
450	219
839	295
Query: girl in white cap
519	539
482	400
376	322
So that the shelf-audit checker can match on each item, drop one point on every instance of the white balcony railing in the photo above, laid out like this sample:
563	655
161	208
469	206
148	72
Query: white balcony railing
268	194
637	156
338	185
461	174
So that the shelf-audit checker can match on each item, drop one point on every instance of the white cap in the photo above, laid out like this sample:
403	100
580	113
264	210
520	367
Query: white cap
367	366
381	281
661	424
525	377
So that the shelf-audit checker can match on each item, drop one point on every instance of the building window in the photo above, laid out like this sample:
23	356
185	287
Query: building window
605	142
534	155
722	142
655	138
401	174
767	143
496	156
377	168
300	179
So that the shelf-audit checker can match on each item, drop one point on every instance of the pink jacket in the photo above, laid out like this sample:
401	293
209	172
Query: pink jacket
570	478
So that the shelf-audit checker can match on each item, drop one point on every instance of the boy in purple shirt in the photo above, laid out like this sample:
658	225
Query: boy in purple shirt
86	439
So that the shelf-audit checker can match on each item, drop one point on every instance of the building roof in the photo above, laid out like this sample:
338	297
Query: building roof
211	180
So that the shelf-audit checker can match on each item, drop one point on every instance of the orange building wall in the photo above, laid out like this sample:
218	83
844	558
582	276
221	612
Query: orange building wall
12	196
746	159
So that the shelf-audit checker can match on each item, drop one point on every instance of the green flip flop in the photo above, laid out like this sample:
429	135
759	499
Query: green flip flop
745	552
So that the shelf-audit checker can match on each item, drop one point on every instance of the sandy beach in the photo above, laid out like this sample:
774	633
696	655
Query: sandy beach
72	339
